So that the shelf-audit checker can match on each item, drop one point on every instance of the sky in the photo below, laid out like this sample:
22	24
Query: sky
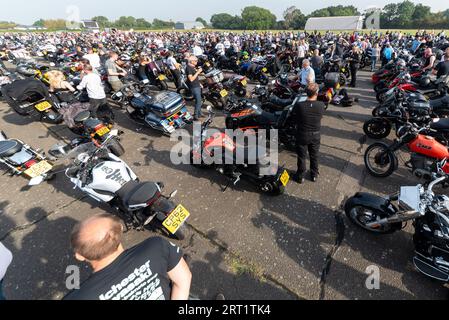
26	12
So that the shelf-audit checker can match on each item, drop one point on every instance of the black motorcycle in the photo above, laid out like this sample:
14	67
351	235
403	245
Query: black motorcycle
236	161
429	213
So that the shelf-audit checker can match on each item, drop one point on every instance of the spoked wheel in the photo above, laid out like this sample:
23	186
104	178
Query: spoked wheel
377	128
379	161
361	216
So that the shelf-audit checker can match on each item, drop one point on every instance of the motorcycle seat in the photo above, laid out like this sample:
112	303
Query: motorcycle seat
136	193
441	124
249	154
441	103
9	147
82	116
280	102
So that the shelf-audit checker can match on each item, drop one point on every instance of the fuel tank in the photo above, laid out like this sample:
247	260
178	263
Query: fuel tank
429	147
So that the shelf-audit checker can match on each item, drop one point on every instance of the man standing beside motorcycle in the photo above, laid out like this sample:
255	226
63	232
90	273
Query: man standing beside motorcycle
153	270
194	85
307	74
354	64
92	83
114	71
174	67
308	115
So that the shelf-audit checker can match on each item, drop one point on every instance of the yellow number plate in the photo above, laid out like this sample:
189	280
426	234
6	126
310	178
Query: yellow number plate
264	70
38	169
162	77
176	219
102	131
43	106
285	178
244	83
223	93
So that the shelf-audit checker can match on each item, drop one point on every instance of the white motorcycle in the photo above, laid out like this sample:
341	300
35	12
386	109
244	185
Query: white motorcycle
106	178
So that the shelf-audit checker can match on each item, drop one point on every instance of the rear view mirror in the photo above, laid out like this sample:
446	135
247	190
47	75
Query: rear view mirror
36	181
173	194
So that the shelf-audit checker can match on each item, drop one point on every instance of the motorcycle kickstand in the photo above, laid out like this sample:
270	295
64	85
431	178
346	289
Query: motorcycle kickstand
234	182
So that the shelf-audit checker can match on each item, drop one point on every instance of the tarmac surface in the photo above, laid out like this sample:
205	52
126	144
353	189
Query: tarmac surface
241	243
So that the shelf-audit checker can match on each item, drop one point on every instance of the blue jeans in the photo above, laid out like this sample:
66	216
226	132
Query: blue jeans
373	63
198	101
2	297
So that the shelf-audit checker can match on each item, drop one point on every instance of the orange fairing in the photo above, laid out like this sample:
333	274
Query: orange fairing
219	140
430	147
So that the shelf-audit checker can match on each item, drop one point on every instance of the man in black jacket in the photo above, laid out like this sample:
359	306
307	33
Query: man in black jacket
354	64
308	115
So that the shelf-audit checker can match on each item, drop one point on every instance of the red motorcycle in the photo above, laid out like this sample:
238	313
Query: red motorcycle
381	159
221	152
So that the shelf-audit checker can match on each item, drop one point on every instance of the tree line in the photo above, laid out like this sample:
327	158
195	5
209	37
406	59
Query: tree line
402	15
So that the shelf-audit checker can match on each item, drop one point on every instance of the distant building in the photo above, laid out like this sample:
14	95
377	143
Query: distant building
334	23
189	26
90	25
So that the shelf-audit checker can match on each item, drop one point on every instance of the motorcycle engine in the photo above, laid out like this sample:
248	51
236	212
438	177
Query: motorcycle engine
421	166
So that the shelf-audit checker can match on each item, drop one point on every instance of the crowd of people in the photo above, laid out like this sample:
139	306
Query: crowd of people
157	266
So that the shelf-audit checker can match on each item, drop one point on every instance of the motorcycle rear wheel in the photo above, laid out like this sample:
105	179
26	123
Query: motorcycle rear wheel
162	85
186	94
116	148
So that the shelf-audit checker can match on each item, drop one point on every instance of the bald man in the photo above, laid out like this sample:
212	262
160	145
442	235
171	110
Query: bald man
152	270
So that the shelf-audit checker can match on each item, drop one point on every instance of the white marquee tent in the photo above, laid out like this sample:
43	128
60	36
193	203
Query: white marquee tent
335	23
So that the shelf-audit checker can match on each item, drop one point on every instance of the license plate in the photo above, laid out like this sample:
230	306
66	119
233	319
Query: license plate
176	219
43	106
161	77
285	178
264	70
343	70
38	169
102	131
244	83
223	93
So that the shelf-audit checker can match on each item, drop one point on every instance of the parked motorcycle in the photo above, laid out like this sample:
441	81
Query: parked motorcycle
208	146
429	213
165	111
21	159
108	179
381	159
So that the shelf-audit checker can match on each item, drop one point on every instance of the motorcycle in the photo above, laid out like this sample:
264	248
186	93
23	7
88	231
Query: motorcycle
21	159
429	213
213	89
165	111
255	70
208	146
381	159
108	179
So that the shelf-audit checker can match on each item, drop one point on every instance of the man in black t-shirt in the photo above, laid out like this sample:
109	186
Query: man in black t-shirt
308	115
193	82
152	270
442	69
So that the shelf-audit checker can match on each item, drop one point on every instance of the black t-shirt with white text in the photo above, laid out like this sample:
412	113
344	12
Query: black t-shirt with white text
139	273
191	71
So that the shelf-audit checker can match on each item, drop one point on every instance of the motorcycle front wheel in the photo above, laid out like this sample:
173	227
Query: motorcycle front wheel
377	128
361	215
379	161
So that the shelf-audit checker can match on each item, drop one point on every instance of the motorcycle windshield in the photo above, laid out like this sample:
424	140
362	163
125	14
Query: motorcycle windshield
73	155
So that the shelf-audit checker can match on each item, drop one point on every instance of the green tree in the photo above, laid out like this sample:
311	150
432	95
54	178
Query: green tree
226	21
141	23
256	18
421	16
389	16
102	21
199	19
294	18
161	24
125	22
321	13
405	11
39	23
